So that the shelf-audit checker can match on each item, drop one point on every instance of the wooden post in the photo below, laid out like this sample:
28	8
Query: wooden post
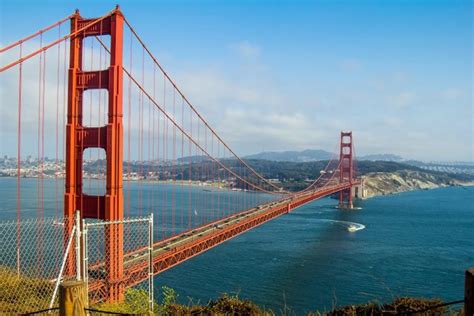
469	293
72	298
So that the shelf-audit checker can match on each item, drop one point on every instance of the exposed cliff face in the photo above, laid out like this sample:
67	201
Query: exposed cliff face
382	183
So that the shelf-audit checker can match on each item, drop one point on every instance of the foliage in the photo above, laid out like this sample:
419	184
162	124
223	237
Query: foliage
399	306
136	302
233	305
13	299
292	175
224	305
170	297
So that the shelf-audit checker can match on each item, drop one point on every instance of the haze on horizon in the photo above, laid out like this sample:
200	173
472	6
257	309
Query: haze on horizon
291	76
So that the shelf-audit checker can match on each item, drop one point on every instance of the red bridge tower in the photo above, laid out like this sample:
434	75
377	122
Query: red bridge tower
109	137
346	169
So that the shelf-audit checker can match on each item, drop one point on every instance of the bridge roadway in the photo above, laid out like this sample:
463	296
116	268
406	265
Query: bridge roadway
175	250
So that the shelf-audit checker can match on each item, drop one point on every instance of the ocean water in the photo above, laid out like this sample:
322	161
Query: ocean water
416	243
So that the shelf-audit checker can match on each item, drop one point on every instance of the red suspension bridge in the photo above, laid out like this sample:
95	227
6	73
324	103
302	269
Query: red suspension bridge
96	98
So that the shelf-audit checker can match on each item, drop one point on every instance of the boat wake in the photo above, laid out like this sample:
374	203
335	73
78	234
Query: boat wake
355	208
351	226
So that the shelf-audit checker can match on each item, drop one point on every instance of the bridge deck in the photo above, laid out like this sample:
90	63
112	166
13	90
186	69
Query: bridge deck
177	249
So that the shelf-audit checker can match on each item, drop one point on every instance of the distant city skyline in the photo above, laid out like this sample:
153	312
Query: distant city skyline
292	75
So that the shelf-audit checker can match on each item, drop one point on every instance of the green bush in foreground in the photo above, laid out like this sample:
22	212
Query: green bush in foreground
136	302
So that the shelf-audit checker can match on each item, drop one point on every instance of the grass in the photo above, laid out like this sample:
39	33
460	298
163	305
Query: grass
25	294
233	305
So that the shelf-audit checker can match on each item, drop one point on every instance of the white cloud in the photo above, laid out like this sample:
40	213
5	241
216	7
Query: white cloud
402	99
257	108
246	50
452	94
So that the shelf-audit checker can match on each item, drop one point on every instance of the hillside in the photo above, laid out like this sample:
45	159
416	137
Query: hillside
315	155
293	156
382	177
383	183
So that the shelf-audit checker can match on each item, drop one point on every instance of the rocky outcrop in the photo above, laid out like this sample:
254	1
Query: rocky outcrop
382	183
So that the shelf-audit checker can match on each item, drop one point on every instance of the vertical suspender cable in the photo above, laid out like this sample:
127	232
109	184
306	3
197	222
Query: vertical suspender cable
18	172
153	146
190	165
39	131
149	166
165	167
56	231
57	132
129	124
173	201
182	205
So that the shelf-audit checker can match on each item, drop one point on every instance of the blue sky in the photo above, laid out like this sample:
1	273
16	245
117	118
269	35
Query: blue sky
291	75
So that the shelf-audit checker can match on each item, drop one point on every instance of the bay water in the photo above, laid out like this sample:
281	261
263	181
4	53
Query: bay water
414	244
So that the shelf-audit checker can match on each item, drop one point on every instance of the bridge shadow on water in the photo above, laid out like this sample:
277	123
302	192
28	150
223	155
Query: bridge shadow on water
313	272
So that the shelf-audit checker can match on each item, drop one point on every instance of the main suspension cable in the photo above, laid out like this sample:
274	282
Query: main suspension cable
181	129
194	109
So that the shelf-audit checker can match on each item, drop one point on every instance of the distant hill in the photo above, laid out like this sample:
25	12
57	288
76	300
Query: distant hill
316	155
293	156
381	157
193	159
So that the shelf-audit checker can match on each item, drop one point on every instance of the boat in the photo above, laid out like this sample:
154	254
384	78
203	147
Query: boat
353	228
57	223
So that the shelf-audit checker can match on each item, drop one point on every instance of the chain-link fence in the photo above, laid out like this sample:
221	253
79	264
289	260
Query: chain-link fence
114	252
35	255
114	258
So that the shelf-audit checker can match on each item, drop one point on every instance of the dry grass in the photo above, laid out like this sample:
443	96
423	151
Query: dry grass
400	306
225	305
136	302
23	294
234	306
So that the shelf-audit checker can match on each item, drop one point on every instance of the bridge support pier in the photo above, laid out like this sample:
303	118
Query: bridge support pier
345	199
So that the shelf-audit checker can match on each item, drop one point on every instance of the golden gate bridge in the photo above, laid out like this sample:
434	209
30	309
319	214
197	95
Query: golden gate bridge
95	92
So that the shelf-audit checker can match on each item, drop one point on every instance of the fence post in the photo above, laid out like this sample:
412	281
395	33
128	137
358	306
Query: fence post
150	263
72	296
63	264
85	262
78	245
469	293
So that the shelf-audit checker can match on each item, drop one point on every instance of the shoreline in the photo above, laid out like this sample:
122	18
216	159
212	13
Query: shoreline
375	184
220	186
382	184
469	184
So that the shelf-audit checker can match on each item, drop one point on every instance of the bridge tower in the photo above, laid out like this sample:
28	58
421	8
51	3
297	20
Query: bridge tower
346	169
109	137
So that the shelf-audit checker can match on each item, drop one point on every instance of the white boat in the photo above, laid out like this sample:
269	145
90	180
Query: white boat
353	228
57	223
